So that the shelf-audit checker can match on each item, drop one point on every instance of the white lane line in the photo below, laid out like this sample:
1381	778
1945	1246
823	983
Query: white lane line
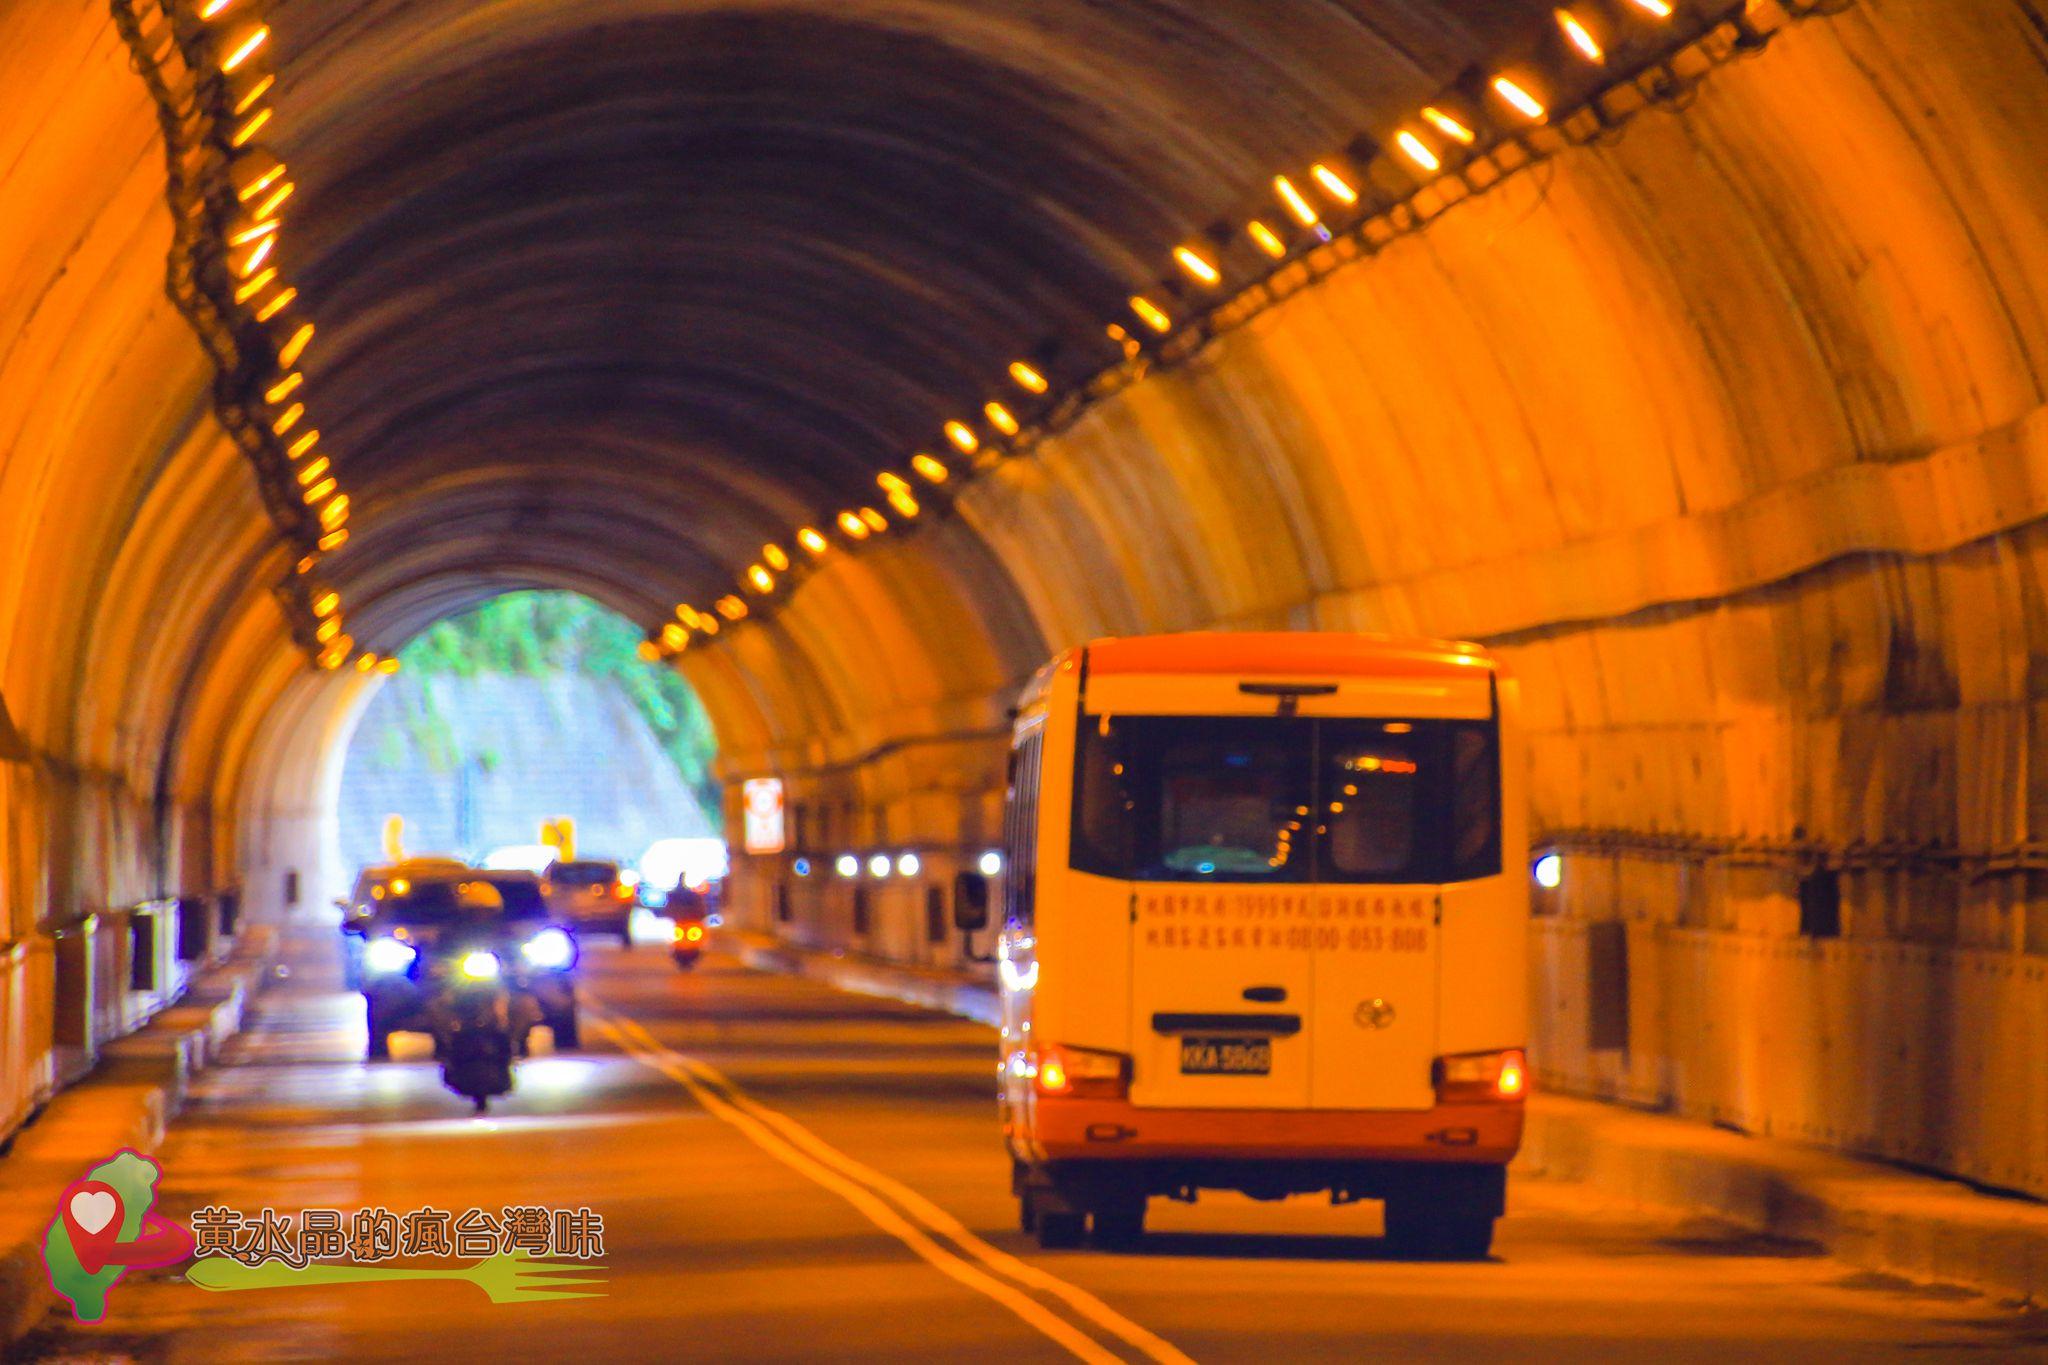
934	1218
943	1259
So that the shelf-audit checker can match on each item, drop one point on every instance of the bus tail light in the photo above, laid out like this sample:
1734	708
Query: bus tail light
1472	1076
1082	1073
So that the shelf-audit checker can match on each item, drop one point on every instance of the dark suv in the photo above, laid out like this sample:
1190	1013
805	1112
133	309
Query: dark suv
410	930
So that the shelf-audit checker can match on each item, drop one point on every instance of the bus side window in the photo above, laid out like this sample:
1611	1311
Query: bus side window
1020	887
1475	802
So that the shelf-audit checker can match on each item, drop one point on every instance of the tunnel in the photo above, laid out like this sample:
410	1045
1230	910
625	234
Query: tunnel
1686	354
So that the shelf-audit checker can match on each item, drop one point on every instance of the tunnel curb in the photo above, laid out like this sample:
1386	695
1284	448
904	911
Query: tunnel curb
1874	1217
124	1101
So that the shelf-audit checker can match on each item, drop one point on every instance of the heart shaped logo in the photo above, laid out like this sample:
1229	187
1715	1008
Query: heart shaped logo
91	1211
94	1209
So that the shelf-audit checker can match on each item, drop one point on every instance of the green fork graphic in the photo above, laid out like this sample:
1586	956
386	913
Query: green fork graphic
512	1278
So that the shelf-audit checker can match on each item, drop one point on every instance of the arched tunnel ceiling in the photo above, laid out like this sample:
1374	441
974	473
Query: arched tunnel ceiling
617	291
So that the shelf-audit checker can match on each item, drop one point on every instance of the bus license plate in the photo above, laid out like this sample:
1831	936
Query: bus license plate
1226	1056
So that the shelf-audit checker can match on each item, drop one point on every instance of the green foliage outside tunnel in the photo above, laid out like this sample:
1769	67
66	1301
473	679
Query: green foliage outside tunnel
542	634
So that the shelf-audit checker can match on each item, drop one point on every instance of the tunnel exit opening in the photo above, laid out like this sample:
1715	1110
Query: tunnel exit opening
530	708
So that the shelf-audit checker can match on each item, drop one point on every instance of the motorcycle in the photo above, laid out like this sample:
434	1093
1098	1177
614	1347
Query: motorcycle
473	1027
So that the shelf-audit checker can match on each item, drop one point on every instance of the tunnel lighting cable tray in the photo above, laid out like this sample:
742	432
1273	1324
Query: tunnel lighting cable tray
209	66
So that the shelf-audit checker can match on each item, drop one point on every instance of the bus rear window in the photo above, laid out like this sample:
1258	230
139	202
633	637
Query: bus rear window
1282	799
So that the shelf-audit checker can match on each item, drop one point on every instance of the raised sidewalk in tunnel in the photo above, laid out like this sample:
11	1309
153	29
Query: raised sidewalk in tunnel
124	1102
1873	1216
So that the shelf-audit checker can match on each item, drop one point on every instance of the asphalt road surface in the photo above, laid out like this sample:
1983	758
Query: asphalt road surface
786	1172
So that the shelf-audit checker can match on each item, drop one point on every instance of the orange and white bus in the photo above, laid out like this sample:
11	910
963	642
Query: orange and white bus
1264	929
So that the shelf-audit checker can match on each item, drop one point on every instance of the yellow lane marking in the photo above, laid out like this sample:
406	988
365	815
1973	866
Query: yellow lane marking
927	1213
869	1204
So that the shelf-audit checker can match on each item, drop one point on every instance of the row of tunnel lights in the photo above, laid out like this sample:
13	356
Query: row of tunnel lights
882	865
1450	132
262	187
1547	870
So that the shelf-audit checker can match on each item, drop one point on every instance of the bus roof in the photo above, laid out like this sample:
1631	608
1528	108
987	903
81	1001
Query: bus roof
1270	653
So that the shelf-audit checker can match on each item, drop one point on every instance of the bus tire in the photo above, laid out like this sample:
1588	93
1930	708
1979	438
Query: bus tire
1059	1231
1120	1221
1417	1231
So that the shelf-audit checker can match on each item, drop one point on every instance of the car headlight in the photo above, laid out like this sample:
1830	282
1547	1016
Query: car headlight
479	966
387	955
550	950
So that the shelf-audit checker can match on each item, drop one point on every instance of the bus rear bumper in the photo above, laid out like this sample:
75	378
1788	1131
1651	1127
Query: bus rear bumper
1073	1129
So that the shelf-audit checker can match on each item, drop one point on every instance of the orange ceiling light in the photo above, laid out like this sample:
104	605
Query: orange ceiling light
933	470
1028	379
1266	239
1579	36
1448	125
1519	99
1296	202
1334	185
1150	314
1417	151
260	183
250	288
1198	266
248	130
289	353
254	93
276	304
244	50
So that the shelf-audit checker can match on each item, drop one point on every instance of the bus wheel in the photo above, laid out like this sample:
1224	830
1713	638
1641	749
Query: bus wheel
1057	1231
1417	1231
1120	1221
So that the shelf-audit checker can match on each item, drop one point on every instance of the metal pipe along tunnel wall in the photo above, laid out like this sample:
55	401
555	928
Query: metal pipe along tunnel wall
1724	427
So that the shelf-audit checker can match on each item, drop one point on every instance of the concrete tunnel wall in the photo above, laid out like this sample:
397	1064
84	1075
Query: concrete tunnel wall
1726	432
1728	436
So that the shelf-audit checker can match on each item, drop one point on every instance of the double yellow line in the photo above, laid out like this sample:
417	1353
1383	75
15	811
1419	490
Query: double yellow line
934	1235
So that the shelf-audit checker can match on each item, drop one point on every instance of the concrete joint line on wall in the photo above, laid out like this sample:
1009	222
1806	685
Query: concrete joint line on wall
1925	507
1801	855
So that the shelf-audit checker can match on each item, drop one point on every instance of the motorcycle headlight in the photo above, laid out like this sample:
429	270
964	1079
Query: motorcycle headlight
550	950
388	956
479	966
